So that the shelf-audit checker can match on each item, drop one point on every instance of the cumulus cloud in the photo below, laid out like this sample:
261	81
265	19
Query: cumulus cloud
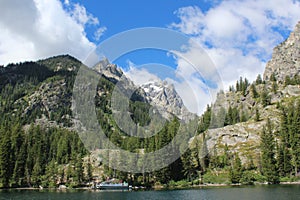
80	14
239	35
34	29
140	75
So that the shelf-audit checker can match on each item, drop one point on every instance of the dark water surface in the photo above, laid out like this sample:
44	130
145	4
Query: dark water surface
245	192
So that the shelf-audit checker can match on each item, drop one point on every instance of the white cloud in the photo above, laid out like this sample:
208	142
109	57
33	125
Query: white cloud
237	35
191	20
67	2
140	75
99	33
35	29
82	17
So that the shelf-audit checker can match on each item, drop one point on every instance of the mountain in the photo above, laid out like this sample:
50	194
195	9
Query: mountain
36	103
164	96
159	94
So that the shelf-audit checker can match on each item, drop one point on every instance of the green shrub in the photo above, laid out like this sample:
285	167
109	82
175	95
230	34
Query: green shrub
248	177
181	184
221	177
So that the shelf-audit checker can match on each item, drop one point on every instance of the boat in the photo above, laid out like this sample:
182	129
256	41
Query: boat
112	185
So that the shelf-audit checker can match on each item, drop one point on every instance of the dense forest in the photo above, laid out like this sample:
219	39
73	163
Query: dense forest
33	154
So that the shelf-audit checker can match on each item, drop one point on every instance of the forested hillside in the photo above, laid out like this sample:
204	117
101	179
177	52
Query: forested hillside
38	143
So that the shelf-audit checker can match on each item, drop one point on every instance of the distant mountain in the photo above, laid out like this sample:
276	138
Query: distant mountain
158	93
164	96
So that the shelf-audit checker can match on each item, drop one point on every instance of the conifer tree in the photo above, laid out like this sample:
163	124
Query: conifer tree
235	172
5	162
258	80
265	98
254	91
269	168
257	115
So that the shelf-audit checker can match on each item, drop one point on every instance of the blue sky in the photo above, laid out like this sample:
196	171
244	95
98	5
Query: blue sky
237	36
120	16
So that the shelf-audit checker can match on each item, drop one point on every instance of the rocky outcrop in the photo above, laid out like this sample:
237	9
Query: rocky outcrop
110	71
286	58
48	100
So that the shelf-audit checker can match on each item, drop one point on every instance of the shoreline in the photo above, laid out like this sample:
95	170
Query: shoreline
216	185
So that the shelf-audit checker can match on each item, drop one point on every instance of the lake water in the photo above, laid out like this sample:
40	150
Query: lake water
284	192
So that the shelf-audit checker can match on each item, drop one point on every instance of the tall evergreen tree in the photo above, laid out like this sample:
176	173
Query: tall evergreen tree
258	79
265	98
269	168
295	138
254	91
235	172
5	162
257	115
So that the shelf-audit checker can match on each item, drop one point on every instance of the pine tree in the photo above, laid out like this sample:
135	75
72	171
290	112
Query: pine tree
295	138
51	173
79	170
258	80
254	91
204	157
36	173
189	170
265	98
274	87
283	154
287	80
283	160
238	87
235	172
5	162
268	160
89	170
257	115
273	77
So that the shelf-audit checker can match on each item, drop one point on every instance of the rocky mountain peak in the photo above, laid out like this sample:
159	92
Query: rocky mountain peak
164	96
286	58
158	93
109	70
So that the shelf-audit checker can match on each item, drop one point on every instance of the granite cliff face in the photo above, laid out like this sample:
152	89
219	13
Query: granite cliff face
286	58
